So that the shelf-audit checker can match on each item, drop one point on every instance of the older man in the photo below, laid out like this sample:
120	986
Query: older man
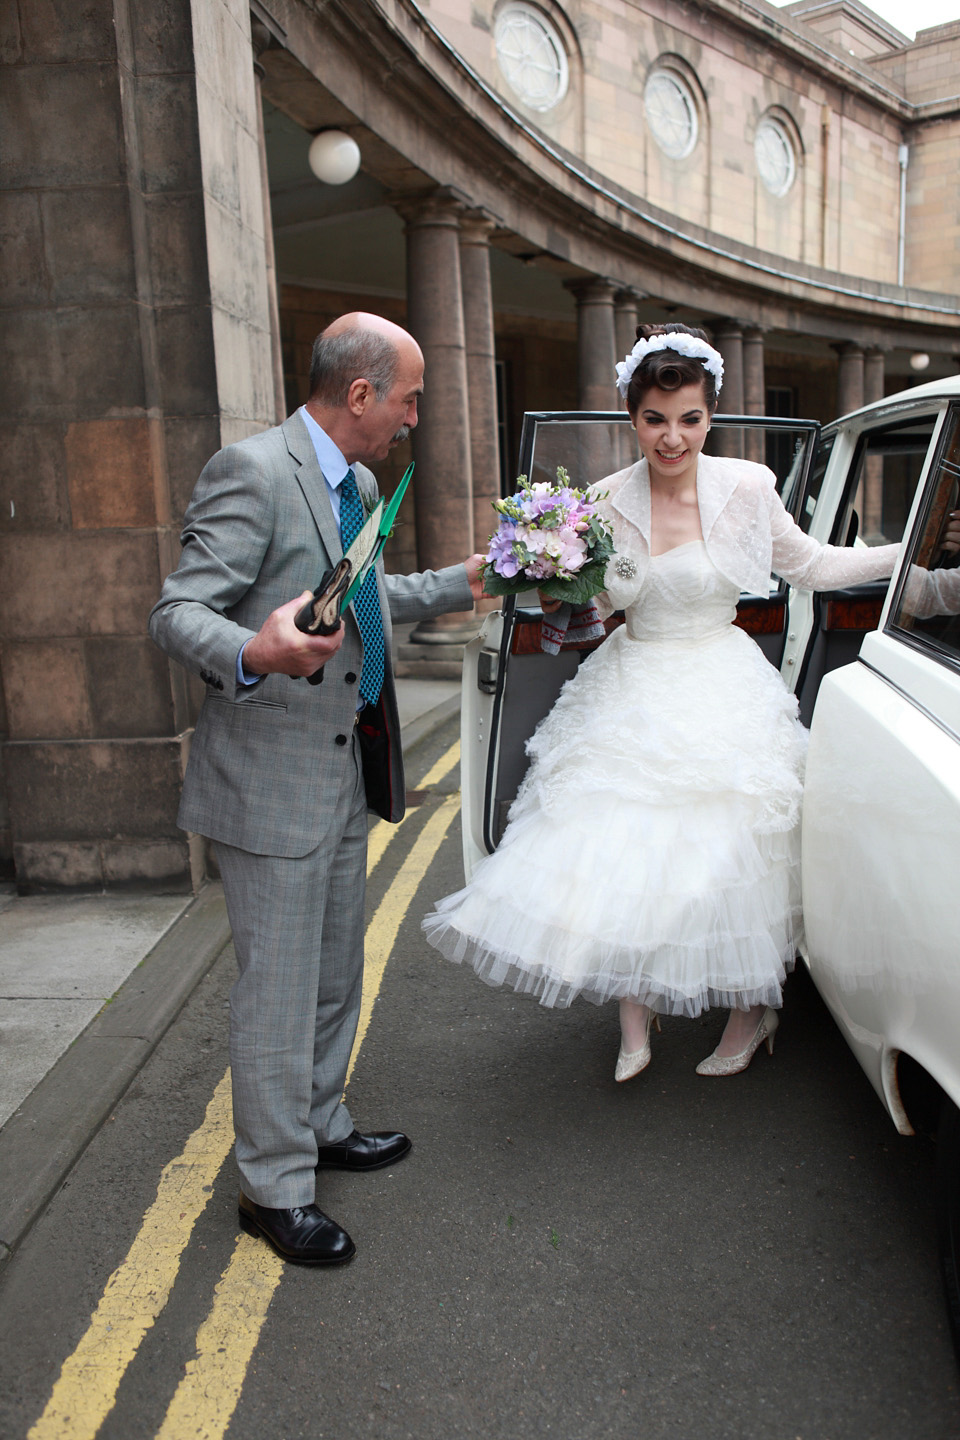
281	773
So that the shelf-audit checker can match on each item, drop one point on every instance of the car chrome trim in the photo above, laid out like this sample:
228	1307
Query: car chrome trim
910	699
890	1079
509	612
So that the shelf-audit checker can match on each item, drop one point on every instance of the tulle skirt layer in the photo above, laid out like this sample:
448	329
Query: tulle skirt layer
653	850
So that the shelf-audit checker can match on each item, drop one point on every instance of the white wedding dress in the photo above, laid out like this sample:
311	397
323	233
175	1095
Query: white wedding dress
653	850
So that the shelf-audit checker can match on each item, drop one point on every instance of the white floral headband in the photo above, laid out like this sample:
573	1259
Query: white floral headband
673	340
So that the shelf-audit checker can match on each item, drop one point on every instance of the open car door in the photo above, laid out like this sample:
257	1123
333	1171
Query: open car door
867	470
509	683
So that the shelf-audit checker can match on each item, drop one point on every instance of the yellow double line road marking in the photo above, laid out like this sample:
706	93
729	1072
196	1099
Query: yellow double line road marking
139	1288
391	912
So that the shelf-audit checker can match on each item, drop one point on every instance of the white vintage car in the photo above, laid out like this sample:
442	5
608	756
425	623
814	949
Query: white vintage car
879	686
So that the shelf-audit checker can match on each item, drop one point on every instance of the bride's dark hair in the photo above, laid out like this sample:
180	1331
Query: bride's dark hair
668	370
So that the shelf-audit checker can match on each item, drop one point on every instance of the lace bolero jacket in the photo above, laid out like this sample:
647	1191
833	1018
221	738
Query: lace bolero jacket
747	532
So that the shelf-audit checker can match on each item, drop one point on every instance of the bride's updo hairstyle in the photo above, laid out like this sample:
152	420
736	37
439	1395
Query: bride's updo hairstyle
668	369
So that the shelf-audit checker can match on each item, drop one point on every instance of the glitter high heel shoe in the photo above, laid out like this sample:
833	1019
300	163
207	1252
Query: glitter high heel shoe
631	1064
732	1064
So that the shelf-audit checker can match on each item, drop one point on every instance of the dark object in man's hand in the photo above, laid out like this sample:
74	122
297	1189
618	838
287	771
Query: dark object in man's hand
321	614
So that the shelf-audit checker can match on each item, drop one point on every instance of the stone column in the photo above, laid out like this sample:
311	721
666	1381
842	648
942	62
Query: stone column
754	392
871	499
262	40
625	317
475	228
850	397
849	377
874	375
441	442
728	338
598	453
596	344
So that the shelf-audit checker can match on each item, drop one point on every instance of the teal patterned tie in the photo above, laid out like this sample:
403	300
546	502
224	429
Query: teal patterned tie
366	602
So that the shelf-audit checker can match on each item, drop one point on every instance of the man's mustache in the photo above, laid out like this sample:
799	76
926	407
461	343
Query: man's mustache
401	435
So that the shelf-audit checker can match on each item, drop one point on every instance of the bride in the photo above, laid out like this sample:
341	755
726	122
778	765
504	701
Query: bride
652	853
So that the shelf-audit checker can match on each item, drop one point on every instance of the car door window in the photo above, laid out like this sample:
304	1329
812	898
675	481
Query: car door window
926	609
882	482
591	445
811	498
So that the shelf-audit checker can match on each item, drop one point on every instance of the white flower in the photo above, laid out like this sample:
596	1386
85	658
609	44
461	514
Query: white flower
674	340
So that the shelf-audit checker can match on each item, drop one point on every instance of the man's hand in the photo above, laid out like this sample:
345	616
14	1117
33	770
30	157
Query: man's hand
951	536
474	576
279	648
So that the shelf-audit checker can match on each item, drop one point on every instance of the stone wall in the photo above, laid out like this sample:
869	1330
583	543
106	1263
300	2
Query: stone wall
842	210
929	72
124	349
229	132
933	205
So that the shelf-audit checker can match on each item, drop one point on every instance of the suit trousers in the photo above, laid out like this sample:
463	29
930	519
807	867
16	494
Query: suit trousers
298	928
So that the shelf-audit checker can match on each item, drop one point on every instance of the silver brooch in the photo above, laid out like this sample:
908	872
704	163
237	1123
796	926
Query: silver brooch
625	567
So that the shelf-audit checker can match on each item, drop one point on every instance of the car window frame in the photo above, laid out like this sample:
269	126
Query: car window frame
889	423
918	520
532	419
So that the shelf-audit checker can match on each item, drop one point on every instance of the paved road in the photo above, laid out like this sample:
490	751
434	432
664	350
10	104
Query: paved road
560	1256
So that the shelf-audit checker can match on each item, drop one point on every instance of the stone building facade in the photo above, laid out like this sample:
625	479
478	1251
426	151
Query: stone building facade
534	179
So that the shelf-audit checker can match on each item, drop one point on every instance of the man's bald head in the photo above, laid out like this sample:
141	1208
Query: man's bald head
354	347
365	380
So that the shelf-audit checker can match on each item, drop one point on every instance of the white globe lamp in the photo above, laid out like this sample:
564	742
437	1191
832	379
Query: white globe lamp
920	360
334	157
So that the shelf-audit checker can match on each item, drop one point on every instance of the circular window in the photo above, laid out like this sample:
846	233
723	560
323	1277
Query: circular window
776	157
531	56
671	113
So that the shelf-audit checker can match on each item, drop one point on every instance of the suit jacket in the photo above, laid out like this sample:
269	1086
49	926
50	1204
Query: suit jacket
746	529
267	760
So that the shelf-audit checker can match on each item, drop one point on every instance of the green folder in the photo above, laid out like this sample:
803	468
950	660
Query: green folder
374	534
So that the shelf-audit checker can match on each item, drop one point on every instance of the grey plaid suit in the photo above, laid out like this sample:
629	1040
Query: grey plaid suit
274	779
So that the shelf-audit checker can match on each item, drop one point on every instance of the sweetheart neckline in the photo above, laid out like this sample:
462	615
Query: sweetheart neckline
674	548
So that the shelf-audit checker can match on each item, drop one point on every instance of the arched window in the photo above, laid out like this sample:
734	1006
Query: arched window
531	55
671	112
776	155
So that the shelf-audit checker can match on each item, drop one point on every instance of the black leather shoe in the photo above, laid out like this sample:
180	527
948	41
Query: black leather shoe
303	1234
364	1152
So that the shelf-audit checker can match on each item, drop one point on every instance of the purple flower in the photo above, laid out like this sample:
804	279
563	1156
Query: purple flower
545	532
502	551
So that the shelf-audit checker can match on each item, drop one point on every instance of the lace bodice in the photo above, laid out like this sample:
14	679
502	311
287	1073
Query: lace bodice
746	531
683	597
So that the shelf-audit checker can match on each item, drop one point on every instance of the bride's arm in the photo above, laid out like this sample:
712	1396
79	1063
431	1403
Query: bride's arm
805	563
931	592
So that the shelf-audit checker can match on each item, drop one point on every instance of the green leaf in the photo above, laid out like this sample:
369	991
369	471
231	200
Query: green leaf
577	591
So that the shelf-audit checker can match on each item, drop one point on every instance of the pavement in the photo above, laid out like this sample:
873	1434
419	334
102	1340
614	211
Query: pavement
89	984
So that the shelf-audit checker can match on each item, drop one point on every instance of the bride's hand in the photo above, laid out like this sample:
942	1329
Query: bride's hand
547	605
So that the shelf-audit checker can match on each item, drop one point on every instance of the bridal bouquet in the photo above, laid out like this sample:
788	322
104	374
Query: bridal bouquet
549	537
